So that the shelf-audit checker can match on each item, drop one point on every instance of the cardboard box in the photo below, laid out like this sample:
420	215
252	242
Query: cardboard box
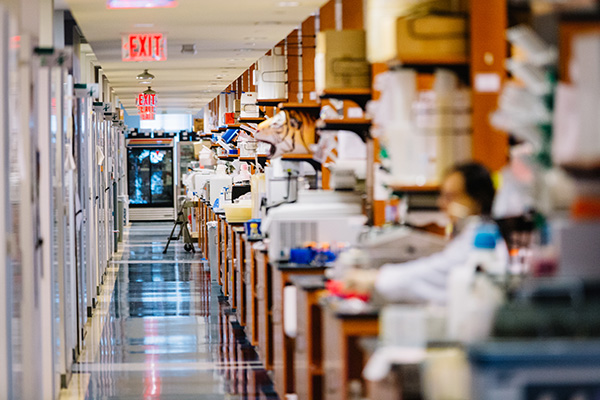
431	37
340	60
198	125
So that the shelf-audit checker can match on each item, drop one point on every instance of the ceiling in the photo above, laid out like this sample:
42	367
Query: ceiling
230	35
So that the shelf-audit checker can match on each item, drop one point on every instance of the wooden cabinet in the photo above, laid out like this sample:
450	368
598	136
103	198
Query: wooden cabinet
344	357
308	349
251	295
283	345
265	302
240	274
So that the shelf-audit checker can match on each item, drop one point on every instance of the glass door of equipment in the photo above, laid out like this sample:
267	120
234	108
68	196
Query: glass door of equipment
150	177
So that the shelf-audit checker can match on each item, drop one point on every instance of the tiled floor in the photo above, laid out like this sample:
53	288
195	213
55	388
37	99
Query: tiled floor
162	333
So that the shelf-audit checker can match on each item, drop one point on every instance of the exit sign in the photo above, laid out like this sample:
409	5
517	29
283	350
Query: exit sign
146	100
146	113
144	47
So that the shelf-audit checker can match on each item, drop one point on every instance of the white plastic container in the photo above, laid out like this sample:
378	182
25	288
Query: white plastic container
248	106
206	157
199	182
217	183
270	77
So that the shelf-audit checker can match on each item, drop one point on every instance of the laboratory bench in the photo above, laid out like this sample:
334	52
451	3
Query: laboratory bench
323	357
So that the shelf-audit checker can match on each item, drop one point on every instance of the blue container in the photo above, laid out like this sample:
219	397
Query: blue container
229	135
302	256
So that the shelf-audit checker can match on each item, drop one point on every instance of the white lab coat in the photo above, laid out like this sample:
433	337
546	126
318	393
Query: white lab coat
425	279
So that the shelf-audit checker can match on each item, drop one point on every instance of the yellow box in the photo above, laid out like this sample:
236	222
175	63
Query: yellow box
237	213
198	125
432	38
340	60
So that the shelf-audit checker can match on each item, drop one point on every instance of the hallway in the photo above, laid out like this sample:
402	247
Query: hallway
160	332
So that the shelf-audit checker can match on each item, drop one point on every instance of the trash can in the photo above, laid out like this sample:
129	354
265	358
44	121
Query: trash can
212	250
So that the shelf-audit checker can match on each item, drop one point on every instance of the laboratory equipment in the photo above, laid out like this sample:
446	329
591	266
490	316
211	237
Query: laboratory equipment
321	216
151	179
396	245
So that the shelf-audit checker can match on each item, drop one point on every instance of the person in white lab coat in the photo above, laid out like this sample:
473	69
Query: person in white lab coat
466	196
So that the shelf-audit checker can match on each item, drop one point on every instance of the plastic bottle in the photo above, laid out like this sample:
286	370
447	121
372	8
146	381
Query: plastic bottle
484	255
244	174
472	295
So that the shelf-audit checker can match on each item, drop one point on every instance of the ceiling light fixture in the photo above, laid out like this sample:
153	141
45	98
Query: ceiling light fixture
145	76
188	49
116	4
149	91
288	4
266	23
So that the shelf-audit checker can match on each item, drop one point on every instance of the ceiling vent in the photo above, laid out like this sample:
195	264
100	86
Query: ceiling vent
188	49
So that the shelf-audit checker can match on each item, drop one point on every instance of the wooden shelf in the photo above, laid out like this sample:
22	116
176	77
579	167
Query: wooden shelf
252	120
360	126
299	106
215	130
222	129
413	189
296	156
233	126
440	60
588	170
253	158
314	109
262	160
229	157
359	95
346	92
270	102
302	158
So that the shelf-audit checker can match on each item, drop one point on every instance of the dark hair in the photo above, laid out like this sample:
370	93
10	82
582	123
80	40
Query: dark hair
478	184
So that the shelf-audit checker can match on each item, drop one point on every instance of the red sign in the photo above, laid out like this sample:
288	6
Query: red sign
146	100
146	113
144	47
146	104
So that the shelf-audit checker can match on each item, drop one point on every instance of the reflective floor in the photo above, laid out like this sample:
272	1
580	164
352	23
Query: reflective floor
164	334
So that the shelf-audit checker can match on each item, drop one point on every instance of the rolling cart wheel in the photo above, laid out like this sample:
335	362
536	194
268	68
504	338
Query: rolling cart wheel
188	247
